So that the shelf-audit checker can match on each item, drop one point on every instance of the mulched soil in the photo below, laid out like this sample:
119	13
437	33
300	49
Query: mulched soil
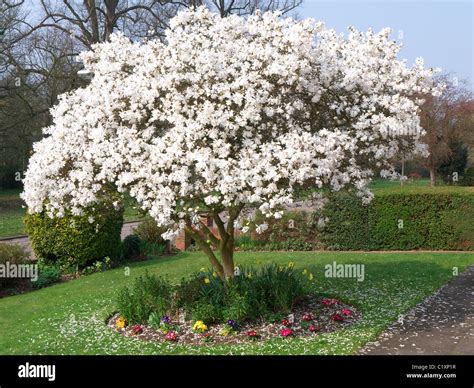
325	314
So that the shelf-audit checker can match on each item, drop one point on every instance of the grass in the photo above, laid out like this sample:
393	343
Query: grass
69	318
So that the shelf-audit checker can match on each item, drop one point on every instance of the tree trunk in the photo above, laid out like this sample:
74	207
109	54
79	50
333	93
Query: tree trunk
227	254
432	177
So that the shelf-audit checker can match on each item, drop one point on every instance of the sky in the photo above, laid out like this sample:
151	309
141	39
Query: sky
441	32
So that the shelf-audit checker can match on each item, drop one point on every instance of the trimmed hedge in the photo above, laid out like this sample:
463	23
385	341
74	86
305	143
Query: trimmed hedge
73	241
401	221
421	218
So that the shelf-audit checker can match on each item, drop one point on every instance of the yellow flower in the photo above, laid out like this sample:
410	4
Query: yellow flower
311	277
203	269
305	272
214	274
249	276
291	264
206	280
199	326
120	323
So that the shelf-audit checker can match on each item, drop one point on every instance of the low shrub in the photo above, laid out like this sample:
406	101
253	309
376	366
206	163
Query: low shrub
468	178
130	248
254	293
12	254
148	294
47	275
150	232
74	241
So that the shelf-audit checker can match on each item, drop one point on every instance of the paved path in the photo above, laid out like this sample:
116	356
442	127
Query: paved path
127	229
441	324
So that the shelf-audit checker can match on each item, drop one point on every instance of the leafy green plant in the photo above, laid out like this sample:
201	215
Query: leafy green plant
47	275
98	266
147	294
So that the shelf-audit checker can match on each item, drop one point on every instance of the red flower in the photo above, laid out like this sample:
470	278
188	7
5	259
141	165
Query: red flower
286	332
346	312
313	328
137	329
286	323
337	317
329	302
171	336
252	334
307	317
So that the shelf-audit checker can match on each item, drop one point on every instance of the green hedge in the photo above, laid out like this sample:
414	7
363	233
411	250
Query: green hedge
73	241
401	221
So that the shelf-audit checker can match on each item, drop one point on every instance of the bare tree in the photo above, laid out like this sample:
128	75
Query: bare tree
446	119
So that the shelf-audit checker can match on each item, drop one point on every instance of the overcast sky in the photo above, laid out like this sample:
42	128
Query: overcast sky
441	32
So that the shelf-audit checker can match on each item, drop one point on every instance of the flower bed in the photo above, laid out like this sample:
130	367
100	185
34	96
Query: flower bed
312	316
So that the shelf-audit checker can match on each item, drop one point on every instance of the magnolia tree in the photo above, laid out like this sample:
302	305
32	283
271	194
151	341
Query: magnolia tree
226	114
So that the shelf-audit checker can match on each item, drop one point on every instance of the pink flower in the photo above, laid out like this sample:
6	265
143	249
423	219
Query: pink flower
313	328
329	302
286	332
137	329
337	317
307	317
346	312
171	336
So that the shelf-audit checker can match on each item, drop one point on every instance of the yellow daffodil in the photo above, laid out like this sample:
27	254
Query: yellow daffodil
206	280
305	271
249	276
311	277
214	274
291	264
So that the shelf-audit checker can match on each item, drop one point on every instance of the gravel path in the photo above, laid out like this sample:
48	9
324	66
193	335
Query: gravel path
443	324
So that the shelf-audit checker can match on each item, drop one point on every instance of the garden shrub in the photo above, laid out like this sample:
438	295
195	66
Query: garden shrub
47	275
346	225
17	255
131	247
253	294
148	294
468	178
73	241
401	221
392	221
150	232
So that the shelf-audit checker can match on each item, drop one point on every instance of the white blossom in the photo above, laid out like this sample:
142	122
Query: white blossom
228	112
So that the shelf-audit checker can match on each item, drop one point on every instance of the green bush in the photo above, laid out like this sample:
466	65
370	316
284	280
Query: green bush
150	232
47	275
73	241
13	254
394	220
148	294
131	247
401	221
468	178
253	294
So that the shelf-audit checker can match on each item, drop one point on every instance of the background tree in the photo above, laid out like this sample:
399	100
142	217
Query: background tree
447	120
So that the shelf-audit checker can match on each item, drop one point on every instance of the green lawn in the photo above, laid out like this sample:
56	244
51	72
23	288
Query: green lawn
69	318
